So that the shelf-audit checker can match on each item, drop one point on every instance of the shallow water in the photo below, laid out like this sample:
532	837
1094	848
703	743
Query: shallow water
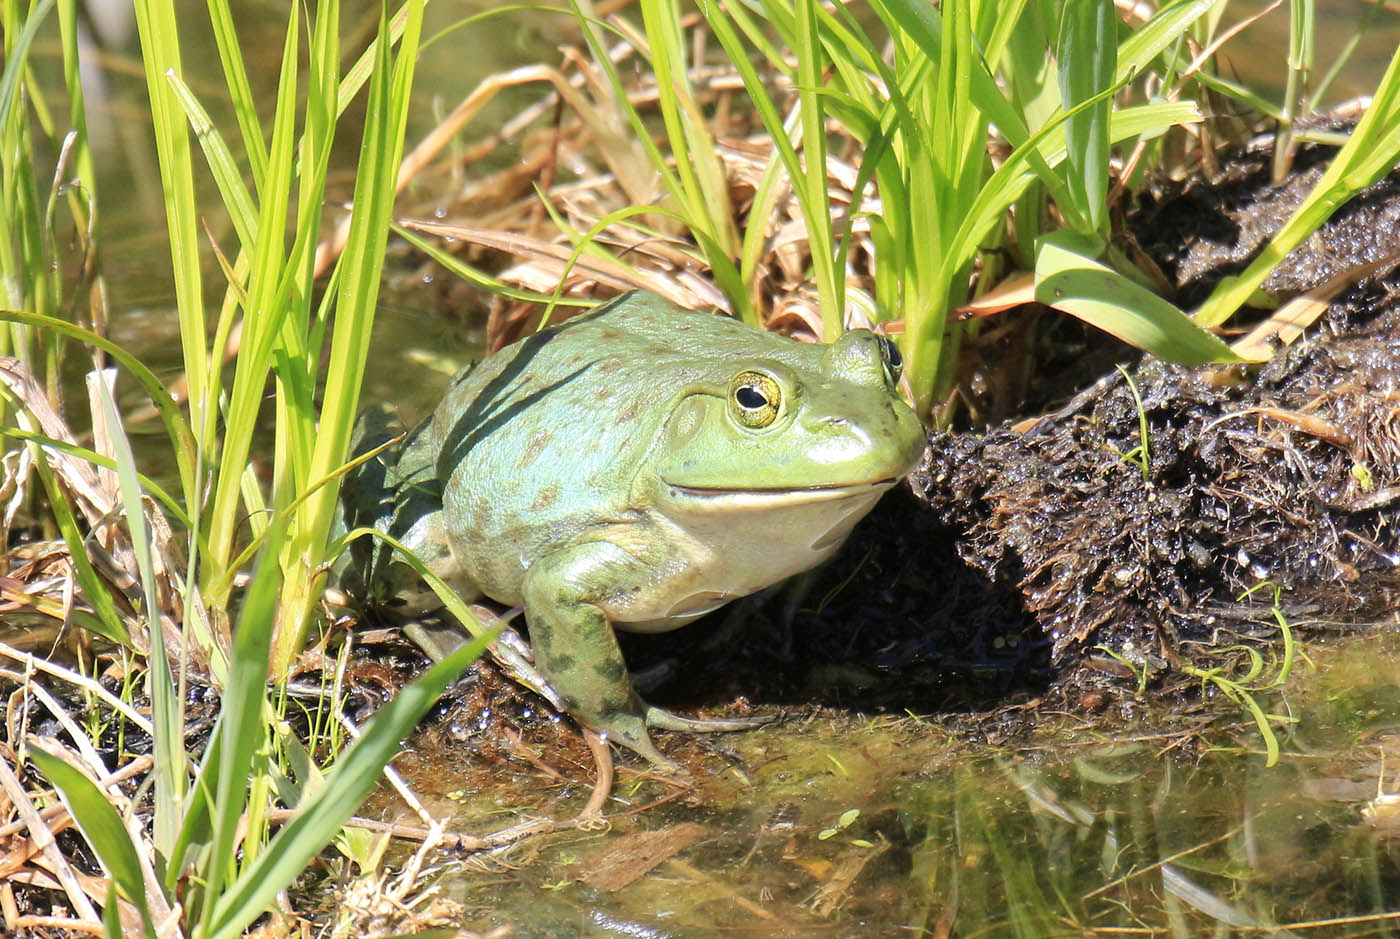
856	826
846	825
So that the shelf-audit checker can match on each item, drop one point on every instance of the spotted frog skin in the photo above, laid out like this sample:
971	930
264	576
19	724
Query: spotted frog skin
633	468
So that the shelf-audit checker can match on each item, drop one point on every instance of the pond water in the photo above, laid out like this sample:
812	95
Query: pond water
857	825
851	825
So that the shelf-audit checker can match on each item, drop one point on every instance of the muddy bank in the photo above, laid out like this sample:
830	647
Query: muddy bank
1285	475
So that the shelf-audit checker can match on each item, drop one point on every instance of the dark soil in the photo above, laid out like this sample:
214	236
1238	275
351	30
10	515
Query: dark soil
1286	476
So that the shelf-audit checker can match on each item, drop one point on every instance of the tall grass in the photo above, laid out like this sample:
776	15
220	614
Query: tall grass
208	866
920	95
49	210
930	96
287	330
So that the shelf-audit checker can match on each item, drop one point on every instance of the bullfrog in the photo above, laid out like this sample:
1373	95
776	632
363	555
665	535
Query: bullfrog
633	468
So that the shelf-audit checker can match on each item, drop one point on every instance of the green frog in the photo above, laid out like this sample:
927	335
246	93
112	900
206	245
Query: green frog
634	468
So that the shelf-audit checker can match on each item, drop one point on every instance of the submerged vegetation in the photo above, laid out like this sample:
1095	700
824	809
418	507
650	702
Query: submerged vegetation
805	166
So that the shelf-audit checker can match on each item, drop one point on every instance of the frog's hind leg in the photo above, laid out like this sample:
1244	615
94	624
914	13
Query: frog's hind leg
574	645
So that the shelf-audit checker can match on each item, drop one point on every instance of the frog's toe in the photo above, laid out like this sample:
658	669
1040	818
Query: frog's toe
631	732
665	720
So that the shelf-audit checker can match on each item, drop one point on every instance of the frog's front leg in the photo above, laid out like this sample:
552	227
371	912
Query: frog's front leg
575	647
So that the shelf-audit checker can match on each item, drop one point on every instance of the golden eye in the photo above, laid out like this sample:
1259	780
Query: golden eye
757	399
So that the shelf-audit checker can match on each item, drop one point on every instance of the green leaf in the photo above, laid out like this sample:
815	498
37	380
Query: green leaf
160	53
100	825
111	916
242	715
263	313
1087	56
237	199
167	708
1068	278
358	273
1149	40
19	55
239	88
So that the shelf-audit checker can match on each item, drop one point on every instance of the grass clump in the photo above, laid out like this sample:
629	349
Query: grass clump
912	165
208	863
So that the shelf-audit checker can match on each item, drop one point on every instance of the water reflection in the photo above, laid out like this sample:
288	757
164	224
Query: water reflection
890	827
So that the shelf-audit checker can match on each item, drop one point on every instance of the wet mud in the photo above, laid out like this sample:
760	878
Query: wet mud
1139	513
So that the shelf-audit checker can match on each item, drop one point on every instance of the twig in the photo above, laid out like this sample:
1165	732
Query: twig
82	681
1164	861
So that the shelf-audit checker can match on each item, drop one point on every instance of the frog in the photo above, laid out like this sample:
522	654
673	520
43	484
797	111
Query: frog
632	468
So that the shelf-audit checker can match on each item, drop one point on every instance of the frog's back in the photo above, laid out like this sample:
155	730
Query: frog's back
539	442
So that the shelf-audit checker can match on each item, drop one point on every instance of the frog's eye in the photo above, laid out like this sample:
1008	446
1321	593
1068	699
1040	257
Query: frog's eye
756	398
894	362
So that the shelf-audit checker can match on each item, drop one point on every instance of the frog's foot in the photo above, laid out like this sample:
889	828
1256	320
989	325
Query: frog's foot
630	731
665	720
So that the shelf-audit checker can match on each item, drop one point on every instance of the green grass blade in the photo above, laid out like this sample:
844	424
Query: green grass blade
347	784
196	828
239	89
166	706
1151	39
242	719
472	275
703	185
263	313
811	64
445	593
359	73
1069	279
1047	144
101	826
359	274
921	24
160	53
1087	56
281	516
82	199
111	916
815	211
18	58
227	177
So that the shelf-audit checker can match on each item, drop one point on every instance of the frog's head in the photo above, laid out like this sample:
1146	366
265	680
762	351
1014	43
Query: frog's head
806	424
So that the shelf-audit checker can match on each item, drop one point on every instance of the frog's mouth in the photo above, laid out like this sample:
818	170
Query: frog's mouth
787	495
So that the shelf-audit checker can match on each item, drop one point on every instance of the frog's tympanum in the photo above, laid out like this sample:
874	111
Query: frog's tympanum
633	468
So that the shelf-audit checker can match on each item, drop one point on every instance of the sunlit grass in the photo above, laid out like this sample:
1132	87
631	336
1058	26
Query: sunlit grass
209	853
922	116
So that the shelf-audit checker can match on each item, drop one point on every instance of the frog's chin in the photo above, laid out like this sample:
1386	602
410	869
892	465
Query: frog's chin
761	498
